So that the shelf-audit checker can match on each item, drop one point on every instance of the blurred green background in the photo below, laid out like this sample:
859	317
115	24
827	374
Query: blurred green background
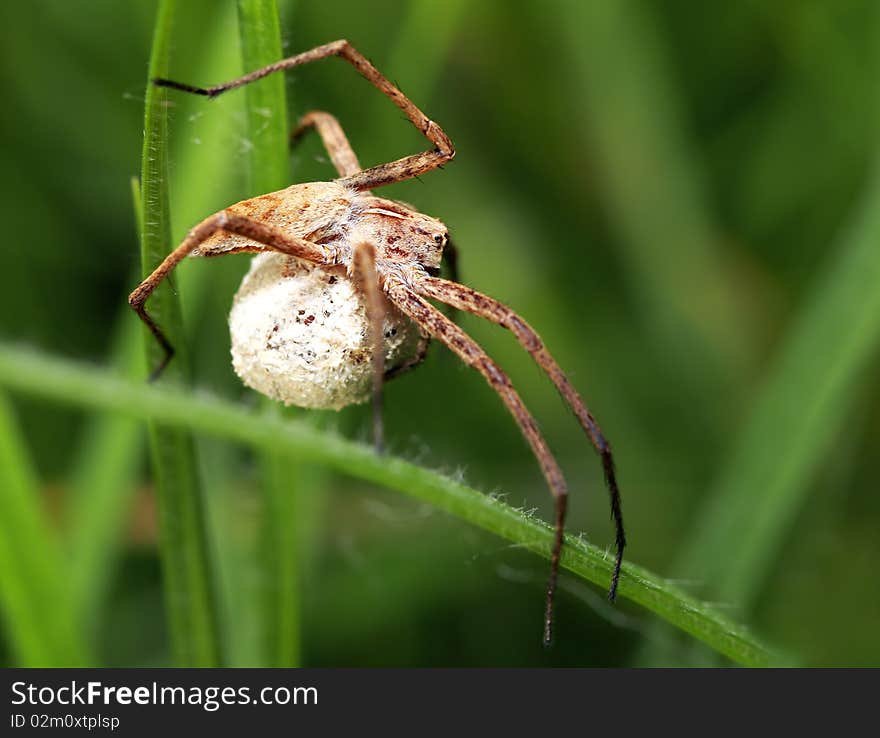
679	196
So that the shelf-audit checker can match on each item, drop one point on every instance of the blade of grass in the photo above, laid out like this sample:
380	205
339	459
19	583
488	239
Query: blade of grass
96	389
801	409
210	149
34	588
188	579
103	479
651	188
101	490
266	105
268	131
137	201
104	475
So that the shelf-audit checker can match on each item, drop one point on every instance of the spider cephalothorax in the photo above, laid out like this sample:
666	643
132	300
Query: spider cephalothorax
300	332
403	237
336	301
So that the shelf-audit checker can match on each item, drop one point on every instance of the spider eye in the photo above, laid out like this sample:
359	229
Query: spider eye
438	238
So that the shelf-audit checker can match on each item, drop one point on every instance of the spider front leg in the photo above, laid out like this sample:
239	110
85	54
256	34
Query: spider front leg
476	303
264	237
395	171
435	323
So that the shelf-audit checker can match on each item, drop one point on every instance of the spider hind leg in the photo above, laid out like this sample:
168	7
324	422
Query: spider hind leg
476	303
436	324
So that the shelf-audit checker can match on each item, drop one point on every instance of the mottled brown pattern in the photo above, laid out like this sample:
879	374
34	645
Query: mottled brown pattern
244	248
290	268
320	223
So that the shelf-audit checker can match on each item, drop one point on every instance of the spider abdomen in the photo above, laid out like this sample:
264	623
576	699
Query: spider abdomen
300	334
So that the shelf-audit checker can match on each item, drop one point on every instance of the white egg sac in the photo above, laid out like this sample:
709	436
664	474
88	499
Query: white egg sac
300	334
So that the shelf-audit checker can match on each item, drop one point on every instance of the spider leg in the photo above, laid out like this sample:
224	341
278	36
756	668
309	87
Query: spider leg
421	354
269	237
465	298
442	328
364	267
334	139
395	171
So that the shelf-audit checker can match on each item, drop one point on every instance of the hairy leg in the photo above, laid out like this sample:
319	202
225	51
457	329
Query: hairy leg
443	329
334	140
395	171
266	236
364	268
421	353
469	300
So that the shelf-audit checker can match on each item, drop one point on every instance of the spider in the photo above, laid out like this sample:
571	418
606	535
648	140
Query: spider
388	256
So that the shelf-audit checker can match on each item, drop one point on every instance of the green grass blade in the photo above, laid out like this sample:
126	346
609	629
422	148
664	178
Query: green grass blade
266	106
651	188
101	490
34	587
103	478
801	409
268	131
104	474
68	382
189	587
137	200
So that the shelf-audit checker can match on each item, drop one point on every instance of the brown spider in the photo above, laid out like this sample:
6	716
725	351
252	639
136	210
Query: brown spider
392	253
